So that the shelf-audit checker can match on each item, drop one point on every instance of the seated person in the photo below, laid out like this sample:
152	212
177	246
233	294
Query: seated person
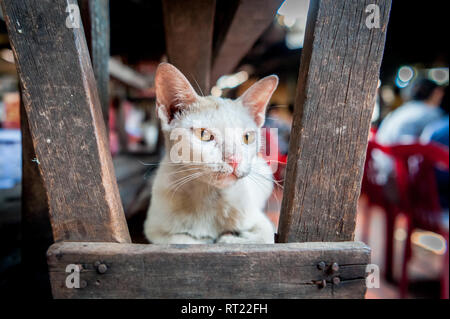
406	123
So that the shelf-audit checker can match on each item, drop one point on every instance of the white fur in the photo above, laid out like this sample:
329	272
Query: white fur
204	209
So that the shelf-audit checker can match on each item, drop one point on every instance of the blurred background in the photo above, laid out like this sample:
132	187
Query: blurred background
403	209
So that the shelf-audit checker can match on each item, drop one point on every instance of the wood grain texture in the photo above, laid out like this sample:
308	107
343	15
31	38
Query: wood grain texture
36	229
66	125
337	83
250	20
225	11
189	39
95	16
210	271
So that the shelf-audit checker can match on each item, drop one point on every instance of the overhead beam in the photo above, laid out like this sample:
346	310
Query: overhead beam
189	39
128	76
337	84
250	20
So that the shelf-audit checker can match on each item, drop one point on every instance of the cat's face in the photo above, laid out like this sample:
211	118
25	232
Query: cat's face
214	140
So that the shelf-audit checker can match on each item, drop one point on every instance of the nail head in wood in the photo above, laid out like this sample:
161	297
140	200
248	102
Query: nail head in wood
336	280
321	283
321	265
102	268
334	268
83	284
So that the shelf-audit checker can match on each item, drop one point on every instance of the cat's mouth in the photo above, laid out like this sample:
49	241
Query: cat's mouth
224	180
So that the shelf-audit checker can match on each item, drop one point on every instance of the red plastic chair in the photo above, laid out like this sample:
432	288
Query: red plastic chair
376	195
275	159
418	199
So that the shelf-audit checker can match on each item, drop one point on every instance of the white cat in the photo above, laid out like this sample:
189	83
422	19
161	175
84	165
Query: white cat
217	192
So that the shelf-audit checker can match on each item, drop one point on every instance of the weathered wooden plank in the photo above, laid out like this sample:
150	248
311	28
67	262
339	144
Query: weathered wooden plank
225	11
189	36
210	271
336	93
95	16
128	76
36	229
251	19
66	125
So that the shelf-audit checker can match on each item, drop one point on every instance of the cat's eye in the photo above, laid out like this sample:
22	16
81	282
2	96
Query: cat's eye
203	134
249	137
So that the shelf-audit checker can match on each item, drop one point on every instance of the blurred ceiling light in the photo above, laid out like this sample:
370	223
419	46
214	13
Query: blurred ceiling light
216	91
387	94
292	15
430	241
438	75
294	9
295	40
405	73
400	83
289	22
232	81
7	55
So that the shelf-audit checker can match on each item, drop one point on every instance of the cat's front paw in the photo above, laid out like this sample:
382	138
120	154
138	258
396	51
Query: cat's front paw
231	239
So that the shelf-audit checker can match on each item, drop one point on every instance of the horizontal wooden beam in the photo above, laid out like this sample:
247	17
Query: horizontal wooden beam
337	84
128	76
210	271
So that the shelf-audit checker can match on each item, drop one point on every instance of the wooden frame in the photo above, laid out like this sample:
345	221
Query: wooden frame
95	16
247	25
337	82
63	109
211	271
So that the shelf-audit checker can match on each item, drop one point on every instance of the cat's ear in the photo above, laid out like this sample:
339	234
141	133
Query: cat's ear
173	91
258	96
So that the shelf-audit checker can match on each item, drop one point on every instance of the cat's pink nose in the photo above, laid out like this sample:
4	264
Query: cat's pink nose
233	161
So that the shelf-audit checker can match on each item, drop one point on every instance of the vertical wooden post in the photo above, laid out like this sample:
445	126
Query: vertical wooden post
338	79
36	230
189	38
95	16
66	125
251	19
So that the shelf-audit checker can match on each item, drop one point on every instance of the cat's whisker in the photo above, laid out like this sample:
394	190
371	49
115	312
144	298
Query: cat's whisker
191	178
198	85
185	170
269	179
171	163
179	180
274	193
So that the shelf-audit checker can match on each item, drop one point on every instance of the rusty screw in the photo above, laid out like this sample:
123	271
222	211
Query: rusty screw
321	283
102	268
336	280
334	268
321	265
